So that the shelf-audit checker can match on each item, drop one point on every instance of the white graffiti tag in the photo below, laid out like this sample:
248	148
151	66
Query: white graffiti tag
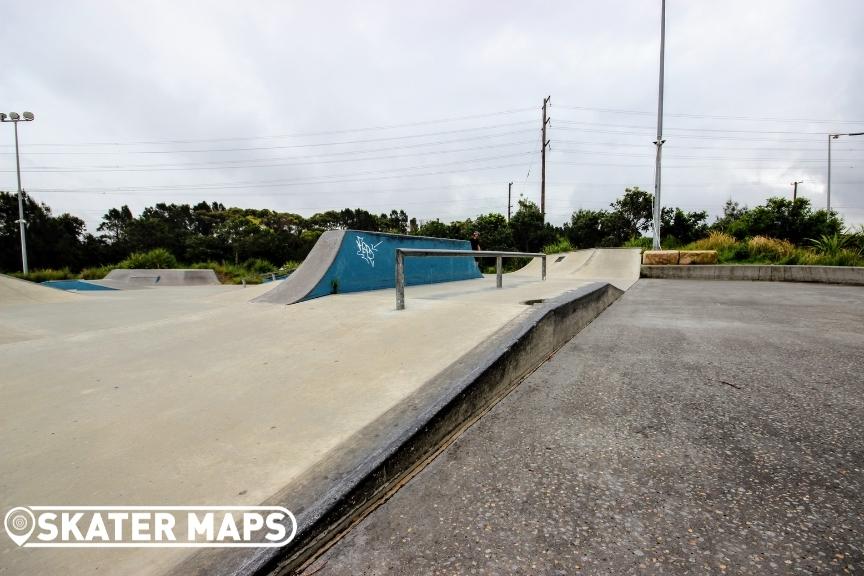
367	251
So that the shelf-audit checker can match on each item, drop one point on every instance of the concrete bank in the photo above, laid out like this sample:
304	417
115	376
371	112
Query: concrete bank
339	490
693	428
758	272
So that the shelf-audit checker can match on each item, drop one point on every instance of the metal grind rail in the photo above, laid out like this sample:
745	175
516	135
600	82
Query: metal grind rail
402	253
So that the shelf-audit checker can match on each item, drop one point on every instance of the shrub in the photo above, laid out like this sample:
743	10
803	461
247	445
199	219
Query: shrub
230	273
45	274
832	245
642	242
562	245
259	266
156	258
719	241
843	257
762	247
96	273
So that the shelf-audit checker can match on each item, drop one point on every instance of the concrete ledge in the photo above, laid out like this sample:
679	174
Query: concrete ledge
163	277
758	272
359	474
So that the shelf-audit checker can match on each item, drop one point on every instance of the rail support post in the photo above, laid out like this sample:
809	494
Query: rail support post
543	267
498	272
400	280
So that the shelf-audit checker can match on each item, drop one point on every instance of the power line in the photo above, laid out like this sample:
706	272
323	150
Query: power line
640	127
316	160
270	183
712	117
690	136
295	135
309	145
691	147
63	170
121	191
246	162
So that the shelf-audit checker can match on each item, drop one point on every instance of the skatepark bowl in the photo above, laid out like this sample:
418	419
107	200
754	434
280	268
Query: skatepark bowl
194	395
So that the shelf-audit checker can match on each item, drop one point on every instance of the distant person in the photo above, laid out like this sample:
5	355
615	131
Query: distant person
475	245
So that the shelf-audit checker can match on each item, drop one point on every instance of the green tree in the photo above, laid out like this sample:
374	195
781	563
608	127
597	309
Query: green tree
585	228
683	227
635	208
52	241
530	234
785	219
434	229
495	232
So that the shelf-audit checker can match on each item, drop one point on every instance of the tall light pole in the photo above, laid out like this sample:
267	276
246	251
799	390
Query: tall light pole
659	142
835	137
14	117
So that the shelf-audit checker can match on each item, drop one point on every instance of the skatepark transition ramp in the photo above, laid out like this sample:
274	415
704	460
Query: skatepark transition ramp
14	291
354	261
161	277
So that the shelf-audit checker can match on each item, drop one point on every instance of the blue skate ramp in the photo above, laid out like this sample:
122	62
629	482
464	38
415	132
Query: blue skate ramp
353	261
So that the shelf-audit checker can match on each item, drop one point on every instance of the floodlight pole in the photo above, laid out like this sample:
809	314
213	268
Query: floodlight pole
21	223
659	142
15	118
835	137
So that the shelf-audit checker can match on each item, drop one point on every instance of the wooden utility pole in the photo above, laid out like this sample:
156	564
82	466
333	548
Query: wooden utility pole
543	144
509	202
795	189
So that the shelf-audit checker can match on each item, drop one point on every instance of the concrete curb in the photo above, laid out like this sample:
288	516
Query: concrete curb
336	492
848	275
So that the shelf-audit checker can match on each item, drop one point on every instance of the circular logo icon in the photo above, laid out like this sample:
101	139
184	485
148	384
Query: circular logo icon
19	523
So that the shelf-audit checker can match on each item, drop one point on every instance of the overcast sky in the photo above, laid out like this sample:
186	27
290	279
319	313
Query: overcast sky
431	107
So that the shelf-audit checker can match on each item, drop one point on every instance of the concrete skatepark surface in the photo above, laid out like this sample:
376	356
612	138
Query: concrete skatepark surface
693	428
192	395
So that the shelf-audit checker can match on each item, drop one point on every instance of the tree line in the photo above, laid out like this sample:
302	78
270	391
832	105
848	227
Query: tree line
215	233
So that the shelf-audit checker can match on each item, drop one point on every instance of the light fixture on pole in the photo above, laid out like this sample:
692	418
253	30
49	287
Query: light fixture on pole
830	138
14	117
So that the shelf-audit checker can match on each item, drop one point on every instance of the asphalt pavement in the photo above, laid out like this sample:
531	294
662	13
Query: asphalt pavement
695	427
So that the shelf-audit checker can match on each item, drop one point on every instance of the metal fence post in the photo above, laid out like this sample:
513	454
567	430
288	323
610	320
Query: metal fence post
498	272
400	280
544	267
